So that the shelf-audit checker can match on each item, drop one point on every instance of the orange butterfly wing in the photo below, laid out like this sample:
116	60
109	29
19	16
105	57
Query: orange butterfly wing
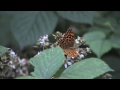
67	43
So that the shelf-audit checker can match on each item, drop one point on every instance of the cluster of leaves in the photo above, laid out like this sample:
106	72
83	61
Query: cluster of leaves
103	36
49	61
24	28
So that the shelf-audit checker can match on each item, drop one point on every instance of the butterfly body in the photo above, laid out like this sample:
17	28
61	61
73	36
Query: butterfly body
67	44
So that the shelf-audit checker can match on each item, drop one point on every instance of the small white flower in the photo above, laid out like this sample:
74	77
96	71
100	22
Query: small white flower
13	66
72	57
65	65
45	37
22	61
42	42
11	62
79	38
76	41
88	49
12	53
40	39
69	63
38	53
81	56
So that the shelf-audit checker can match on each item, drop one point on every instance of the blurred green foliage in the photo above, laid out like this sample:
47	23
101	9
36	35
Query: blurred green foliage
22	28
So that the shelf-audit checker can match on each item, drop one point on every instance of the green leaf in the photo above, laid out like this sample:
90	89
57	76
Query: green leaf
6	36
115	14
28	26
98	28
93	36
106	21
5	30
3	50
115	39
10	13
110	27
78	16
100	47
86	69
26	77
47	63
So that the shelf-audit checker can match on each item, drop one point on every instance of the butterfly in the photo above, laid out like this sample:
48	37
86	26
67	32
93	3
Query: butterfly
67	44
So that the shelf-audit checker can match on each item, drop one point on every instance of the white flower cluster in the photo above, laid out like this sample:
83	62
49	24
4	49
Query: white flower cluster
20	61
12	53
43	40
67	64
